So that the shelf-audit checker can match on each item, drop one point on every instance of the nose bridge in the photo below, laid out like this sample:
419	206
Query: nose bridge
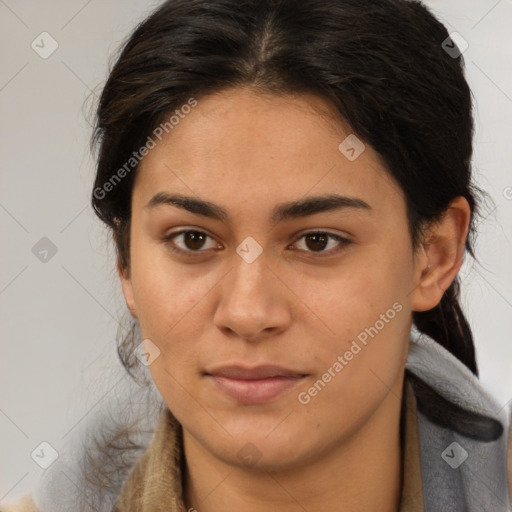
251	302
249	281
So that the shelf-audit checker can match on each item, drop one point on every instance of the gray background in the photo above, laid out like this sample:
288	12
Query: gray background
59	317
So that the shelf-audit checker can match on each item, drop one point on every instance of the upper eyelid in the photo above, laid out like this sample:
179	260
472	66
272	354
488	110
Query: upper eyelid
183	231
326	231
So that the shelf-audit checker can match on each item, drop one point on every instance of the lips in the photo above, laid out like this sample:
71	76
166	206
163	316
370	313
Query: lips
254	385
259	372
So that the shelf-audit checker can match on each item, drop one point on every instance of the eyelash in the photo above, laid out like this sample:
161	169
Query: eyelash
342	243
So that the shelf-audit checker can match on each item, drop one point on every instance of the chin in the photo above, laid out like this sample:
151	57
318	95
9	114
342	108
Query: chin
258	451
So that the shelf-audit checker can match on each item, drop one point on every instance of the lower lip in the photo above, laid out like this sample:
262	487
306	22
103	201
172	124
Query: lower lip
255	391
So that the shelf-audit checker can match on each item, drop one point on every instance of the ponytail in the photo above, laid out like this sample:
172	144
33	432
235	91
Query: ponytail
447	325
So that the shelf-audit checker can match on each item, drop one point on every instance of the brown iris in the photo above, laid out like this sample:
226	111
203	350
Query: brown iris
316	241
194	240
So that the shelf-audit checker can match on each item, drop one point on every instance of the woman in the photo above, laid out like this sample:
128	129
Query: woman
288	185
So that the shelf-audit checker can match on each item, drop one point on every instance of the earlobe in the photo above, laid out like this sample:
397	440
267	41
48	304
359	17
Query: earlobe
126	285
441	256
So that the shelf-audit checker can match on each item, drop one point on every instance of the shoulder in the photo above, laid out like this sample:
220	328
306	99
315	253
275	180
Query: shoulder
25	504
457	407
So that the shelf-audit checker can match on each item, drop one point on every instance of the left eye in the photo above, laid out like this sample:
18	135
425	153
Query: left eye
322	242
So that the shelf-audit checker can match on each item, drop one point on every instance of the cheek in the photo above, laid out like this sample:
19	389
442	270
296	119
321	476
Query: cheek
163	292
355	295
364	316
174	310
170	310
358	365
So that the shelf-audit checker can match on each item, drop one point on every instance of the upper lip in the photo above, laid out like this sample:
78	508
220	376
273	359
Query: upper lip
258	372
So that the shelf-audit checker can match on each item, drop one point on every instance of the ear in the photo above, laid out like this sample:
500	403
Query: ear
439	260
126	284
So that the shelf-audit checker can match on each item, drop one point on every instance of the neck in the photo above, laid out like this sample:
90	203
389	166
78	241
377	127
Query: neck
364	473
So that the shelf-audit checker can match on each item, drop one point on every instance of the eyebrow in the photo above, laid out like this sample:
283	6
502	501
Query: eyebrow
284	211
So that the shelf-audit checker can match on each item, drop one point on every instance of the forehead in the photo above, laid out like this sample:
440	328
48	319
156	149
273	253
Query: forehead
237	147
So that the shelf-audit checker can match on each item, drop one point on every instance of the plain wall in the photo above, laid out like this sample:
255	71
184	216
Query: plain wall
59	318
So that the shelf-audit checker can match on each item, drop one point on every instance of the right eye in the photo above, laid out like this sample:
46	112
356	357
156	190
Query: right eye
190	242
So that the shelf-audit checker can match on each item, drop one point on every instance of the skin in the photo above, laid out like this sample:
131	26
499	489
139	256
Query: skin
296	305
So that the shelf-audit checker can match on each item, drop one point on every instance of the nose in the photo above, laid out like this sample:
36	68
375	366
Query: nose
254	303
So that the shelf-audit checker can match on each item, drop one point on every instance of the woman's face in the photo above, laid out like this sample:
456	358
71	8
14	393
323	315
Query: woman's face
276	291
